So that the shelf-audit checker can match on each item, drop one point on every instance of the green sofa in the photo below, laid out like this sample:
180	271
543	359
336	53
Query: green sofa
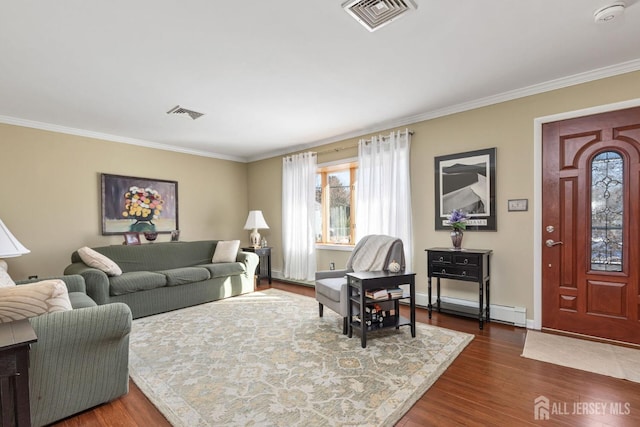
166	276
81	358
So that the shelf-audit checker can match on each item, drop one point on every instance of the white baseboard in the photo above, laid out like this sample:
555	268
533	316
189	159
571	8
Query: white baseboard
516	316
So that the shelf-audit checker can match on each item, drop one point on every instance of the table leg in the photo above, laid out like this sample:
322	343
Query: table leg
350	310
429	306
481	299
412	305
363	324
488	318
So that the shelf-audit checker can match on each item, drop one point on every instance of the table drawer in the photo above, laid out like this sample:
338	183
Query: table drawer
467	259
441	258
454	272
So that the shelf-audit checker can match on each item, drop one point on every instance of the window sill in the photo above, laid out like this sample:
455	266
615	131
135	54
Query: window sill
331	247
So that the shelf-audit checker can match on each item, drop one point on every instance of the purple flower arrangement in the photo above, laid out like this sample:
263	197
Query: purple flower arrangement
458	220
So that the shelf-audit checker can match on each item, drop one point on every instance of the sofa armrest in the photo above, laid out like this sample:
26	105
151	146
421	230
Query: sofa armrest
329	274
96	281
79	361
250	260
74	283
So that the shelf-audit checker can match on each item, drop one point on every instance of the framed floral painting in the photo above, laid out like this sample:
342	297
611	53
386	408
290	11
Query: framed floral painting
466	182
132	204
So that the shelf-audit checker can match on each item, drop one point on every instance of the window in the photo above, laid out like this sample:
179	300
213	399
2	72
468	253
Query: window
335	204
607	207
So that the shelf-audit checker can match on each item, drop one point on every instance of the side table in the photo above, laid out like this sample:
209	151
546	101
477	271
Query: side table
15	340
467	265
263	270
357	285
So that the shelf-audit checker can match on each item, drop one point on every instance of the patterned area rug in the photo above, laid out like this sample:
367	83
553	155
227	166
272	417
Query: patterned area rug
267	359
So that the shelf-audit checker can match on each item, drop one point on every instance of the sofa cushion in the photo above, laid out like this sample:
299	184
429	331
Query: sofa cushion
225	269
226	251
330	287
97	260
136	281
182	276
33	299
81	300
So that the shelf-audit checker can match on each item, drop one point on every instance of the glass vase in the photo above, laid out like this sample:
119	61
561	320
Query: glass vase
456	238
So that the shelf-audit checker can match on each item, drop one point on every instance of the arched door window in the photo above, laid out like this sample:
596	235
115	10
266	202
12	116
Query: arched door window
607	207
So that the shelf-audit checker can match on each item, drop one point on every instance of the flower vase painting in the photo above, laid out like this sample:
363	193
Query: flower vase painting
144	205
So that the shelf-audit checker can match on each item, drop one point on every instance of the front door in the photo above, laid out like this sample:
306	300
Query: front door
591	225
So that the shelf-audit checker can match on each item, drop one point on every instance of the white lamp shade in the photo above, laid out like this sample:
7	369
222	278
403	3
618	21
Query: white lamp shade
9	245
255	220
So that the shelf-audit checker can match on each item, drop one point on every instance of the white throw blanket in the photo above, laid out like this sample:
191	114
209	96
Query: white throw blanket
371	253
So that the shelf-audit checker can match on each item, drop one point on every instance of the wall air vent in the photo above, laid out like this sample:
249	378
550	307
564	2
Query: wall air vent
178	110
375	14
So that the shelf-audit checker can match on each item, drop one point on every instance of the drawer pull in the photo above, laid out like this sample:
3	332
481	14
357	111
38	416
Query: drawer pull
444	271
466	261
464	273
441	259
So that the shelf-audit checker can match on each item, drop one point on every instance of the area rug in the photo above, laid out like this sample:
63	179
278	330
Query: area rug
267	359
600	358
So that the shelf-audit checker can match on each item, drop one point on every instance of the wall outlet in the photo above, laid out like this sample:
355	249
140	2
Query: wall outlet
33	277
332	266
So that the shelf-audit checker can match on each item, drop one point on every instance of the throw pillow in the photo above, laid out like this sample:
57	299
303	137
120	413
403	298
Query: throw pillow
33	299
226	251
5	279
97	260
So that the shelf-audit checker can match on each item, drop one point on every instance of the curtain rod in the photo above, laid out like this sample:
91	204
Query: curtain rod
366	141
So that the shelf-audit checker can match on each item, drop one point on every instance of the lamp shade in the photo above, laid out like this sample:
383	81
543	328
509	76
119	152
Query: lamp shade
255	220
9	245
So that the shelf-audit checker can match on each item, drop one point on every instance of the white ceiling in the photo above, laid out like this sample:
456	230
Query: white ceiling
281	74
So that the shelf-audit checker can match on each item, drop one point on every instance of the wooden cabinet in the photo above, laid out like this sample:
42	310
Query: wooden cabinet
468	265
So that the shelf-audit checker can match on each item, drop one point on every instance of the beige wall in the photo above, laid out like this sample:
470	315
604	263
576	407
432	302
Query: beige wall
508	126
50	193
51	199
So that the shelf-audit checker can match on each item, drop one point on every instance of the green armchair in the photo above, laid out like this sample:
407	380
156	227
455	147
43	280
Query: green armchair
81	358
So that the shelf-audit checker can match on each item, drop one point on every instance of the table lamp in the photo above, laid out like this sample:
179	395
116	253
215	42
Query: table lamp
255	220
9	245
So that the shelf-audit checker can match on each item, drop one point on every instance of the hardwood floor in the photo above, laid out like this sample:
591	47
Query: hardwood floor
489	384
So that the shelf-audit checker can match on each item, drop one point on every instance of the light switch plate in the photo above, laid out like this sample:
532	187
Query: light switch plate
518	205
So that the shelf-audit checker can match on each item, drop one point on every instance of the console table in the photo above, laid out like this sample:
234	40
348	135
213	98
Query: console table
468	265
357	285
263	270
15	340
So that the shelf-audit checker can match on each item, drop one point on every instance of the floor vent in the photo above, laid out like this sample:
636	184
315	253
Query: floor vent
375	14
178	110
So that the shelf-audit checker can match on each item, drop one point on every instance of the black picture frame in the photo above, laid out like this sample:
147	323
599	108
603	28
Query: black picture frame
467	182
153	206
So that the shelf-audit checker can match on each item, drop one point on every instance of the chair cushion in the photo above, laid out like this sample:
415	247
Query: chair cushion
135	281
184	275
330	288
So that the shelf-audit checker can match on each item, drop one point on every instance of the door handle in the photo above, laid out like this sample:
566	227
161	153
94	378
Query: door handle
550	243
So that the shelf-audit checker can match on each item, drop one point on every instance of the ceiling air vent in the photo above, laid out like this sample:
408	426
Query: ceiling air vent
178	110
374	14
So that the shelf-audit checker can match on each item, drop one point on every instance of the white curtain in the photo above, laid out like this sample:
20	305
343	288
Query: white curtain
383	191
298	203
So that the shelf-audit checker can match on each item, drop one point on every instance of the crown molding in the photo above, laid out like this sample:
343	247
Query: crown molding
115	138
600	73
